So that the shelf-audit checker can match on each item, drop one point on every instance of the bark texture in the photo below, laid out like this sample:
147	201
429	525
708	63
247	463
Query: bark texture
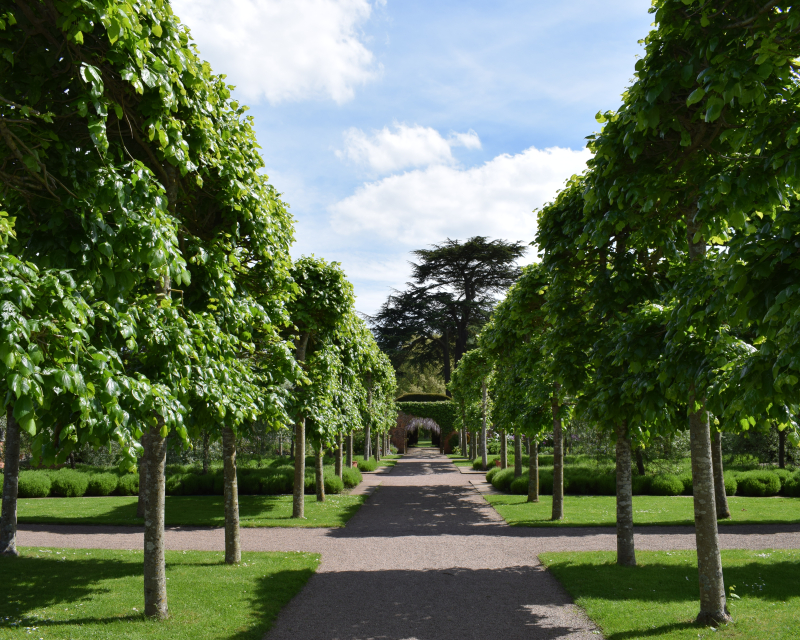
782	449
233	547
155	580
142	479
298	505
720	494
484	403
337	466
378	447
8	519
517	455
349	450
533	471
640	461
558	457
503	450
319	472
713	609
626	553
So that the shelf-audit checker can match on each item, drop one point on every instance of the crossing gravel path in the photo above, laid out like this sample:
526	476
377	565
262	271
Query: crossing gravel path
426	558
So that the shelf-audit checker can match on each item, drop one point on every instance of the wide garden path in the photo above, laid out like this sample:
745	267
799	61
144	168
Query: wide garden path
426	558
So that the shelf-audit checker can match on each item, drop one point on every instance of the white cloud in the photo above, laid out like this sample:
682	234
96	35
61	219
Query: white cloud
284	50
428	205
403	147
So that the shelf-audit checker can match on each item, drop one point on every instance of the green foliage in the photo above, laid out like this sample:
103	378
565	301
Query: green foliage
502	479
666	485
34	484
490	473
442	413
792	486
333	484
758	483
423	397
352	477
367	465
519	486
68	483
102	484
128	485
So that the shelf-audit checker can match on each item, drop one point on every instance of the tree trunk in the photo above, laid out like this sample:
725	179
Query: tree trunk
626	553
8	520
299	444
319	471
503	450
558	458
367	434
140	505
233	548
517	455
533	470
337	466
640	461
377	447
350	450
155	580
484	402
720	496
205	452
291	446
781	448
713	609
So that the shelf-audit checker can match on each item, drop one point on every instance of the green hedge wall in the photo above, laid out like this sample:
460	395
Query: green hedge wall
443	413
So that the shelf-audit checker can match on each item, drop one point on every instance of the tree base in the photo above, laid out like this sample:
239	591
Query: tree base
9	553
709	619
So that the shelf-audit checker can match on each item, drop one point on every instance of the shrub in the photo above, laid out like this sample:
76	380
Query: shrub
69	483
128	485
783	475
731	484
102	484
666	485
491	473
194	484
642	485
546	460
278	483
367	465
352	477
546	482
249	485
310	484
688	484
519	486
218	488
333	484
33	484
589	482
792	486
758	483
502	479
172	485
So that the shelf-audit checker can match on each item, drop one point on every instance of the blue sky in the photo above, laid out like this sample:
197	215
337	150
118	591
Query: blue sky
390	125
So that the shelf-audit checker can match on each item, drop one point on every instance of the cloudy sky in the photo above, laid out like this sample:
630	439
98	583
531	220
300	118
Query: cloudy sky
389	125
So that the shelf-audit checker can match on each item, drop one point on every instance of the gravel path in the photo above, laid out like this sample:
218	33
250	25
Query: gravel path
426	558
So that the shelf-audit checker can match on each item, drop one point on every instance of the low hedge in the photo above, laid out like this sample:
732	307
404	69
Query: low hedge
502	479
351	477
102	484
68	483
666	485
519	486
33	484
128	485
758	484
367	465
792	486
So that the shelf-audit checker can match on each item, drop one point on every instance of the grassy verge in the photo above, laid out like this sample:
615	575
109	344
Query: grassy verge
660	597
600	511
82	593
199	511
459	460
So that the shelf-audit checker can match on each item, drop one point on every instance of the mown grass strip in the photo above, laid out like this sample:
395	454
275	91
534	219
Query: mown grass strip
660	597
90	593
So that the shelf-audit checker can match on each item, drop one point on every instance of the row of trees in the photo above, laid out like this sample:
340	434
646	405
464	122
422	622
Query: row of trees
147	288
667	288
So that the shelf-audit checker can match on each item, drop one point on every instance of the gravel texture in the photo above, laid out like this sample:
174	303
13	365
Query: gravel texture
426	558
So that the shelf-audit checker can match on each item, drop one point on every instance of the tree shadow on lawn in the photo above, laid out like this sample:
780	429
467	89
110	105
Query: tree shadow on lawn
652	585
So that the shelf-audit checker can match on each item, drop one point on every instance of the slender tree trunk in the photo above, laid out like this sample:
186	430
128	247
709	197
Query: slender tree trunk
517	455
319	471
533	470
155	580
713	609
8	519
367	434
299	444
781	448
337	466
640	461
720	496
377	447
503	449
233	548
626	553
350	450
205	452
484	402
140	505
291	446
558	457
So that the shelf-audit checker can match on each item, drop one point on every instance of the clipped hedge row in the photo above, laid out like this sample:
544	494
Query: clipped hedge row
272	480
586	481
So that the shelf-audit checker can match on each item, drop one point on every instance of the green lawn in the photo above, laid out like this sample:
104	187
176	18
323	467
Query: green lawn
600	511
82	593
660	597
201	511
459	461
